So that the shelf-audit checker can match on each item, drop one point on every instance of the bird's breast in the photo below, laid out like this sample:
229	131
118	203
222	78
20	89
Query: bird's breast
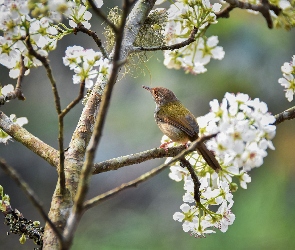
174	133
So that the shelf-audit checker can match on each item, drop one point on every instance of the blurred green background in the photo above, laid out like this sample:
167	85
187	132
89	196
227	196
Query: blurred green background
141	217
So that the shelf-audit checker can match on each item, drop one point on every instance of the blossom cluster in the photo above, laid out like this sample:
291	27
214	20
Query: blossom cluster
285	19
244	132
21	20
183	17
83	61
4	137
288	81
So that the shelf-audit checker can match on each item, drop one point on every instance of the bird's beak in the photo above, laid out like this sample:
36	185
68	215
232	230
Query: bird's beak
147	88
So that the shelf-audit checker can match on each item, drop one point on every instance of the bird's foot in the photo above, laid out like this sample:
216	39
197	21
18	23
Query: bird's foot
165	145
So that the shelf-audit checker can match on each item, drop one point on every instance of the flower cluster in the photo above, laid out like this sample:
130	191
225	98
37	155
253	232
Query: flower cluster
183	17
288	81
80	14
21	20
4	137
244	129
244	132
83	61
16	24
285	19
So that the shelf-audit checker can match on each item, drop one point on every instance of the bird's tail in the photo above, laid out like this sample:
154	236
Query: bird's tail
208	157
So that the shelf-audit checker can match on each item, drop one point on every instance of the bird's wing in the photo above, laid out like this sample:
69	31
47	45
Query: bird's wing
192	122
187	123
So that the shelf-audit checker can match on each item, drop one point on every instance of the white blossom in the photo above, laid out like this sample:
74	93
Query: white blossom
244	133
288	82
87	65
183	17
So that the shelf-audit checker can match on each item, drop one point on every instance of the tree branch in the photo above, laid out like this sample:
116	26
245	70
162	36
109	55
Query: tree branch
185	164
18	87
127	160
144	177
80	27
103	16
30	194
288	114
94	201
190	40
77	210
263	8
33	143
45	62
116	163
76	101
17	93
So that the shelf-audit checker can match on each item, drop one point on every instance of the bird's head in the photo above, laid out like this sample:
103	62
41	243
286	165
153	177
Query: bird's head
161	95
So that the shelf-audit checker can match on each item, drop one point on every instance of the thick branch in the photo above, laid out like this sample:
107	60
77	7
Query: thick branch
21	135
98	126
77	211
135	20
127	160
121	51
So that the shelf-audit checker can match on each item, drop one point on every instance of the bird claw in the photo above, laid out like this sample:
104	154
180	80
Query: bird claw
164	145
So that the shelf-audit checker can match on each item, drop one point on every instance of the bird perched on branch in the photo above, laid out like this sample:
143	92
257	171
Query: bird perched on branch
178	123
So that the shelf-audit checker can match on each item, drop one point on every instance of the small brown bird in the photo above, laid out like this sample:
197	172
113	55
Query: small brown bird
178	123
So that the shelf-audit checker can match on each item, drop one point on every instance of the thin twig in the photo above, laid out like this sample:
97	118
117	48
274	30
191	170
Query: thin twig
77	210
47	67
18	87
17	92
91	33
288	114
94	201
30	194
45	62
190	40
185	164
76	101
263	8
98	126
103	16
